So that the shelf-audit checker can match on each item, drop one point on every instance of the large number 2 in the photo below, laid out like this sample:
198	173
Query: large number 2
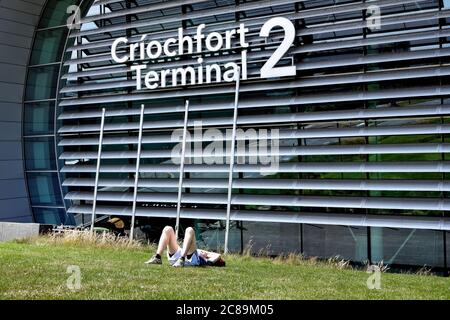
269	70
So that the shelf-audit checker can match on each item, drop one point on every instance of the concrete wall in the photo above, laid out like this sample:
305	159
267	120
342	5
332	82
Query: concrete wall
18	20
13	231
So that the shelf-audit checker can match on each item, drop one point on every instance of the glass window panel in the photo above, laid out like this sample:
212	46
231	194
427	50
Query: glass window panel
211	234
271	238
39	118
44	189
53	216
330	241
42	82
40	153
407	246
48	46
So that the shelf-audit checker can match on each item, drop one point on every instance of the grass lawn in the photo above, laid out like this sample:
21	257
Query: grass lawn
36	269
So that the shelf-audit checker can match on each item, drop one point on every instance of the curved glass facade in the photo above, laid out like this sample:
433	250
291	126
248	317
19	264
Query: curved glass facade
39	114
363	125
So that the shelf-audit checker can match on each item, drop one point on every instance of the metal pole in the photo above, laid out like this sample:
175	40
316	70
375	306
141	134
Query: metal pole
97	170
181	177
444	240
301	239
232	154
136	175
369	245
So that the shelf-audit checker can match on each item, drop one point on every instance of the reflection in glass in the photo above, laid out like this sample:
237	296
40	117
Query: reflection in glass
39	153
38	118
48	46
41	83
55	216
44	190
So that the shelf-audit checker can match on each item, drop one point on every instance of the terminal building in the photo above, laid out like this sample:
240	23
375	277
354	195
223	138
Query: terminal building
362	122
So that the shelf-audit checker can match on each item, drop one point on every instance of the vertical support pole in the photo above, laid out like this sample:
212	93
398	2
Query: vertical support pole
444	239
232	154
181	177
136	175
302	247
242	237
369	245
97	170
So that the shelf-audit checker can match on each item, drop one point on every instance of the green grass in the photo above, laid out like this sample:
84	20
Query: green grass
37	270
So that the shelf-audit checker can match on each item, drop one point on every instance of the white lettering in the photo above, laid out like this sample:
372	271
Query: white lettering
199	37
138	70
182	40
150	53
167	51
196	72
114	50
233	74
183	73
214	37
242	32
152	80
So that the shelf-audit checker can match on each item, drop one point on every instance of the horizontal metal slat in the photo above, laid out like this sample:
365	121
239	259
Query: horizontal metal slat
431	204
255	22
173	107
409	148
279	184
140	9
387	20
310	12
275	118
334	45
375	58
283	134
379	167
339	219
105	2
304	99
188	16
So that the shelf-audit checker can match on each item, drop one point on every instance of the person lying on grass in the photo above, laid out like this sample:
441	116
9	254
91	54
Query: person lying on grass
188	255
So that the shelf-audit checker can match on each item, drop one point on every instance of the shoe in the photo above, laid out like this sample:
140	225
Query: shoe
154	260
179	263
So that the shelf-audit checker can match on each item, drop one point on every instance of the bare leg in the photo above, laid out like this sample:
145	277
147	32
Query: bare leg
167	240
189	243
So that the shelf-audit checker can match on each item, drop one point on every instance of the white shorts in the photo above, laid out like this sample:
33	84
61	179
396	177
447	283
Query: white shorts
192	262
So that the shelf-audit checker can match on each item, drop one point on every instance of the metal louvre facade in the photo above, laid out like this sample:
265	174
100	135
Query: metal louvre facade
363	126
